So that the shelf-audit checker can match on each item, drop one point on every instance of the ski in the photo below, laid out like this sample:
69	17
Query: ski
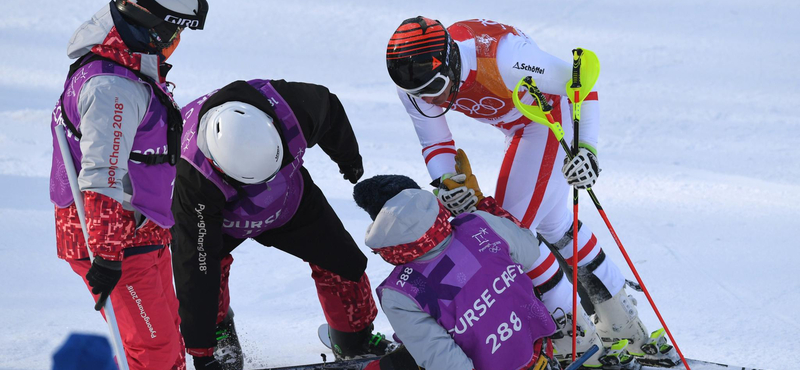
322	332
357	364
360	364
700	365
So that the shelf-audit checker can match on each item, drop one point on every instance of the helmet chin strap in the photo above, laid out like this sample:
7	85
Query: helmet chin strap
453	93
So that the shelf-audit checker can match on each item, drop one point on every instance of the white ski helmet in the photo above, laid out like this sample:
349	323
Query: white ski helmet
243	142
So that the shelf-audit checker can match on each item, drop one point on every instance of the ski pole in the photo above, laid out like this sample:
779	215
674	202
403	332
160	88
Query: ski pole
577	363
575	86
541	114
77	196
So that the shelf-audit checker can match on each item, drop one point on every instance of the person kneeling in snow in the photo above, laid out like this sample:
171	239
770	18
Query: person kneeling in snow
458	297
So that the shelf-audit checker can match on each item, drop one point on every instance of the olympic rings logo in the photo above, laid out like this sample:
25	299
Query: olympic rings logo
487	107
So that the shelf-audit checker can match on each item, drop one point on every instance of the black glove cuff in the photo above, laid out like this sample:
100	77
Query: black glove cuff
111	265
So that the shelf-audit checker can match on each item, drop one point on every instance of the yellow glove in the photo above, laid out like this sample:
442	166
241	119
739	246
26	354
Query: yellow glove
463	167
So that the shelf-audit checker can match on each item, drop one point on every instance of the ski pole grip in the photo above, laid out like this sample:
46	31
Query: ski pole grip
537	95
576	68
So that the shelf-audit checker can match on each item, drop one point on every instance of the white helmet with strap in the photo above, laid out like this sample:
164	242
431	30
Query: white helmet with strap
242	142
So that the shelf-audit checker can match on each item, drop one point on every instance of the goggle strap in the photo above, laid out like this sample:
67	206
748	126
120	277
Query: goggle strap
138	14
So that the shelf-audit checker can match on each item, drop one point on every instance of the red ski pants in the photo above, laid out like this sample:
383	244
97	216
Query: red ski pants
146	310
348	305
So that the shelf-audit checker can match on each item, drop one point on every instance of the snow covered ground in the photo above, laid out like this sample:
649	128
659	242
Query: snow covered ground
698	149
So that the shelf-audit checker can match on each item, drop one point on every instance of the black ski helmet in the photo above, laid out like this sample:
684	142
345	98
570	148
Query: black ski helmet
420	49
164	18
151	13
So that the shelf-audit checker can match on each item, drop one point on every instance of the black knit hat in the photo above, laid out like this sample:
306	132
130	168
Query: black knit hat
372	193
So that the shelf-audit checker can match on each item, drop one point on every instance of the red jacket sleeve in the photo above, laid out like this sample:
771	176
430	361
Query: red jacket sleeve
110	227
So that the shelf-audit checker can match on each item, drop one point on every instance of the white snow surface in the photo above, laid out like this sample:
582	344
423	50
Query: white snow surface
698	148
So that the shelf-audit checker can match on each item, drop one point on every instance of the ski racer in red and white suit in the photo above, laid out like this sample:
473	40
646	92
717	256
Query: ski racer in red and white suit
493	59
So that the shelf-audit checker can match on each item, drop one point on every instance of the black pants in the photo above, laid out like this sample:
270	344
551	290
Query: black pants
315	234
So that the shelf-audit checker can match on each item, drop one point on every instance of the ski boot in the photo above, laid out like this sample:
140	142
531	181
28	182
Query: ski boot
360	344
400	359
228	351
618	318
614	358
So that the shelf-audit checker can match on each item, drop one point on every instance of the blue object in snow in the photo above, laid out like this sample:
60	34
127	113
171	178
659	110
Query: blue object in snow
84	351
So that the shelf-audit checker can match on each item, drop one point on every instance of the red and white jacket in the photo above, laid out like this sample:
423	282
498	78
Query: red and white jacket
494	58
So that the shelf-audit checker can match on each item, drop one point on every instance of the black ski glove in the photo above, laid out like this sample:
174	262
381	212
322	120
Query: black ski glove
206	363
352	171
103	277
